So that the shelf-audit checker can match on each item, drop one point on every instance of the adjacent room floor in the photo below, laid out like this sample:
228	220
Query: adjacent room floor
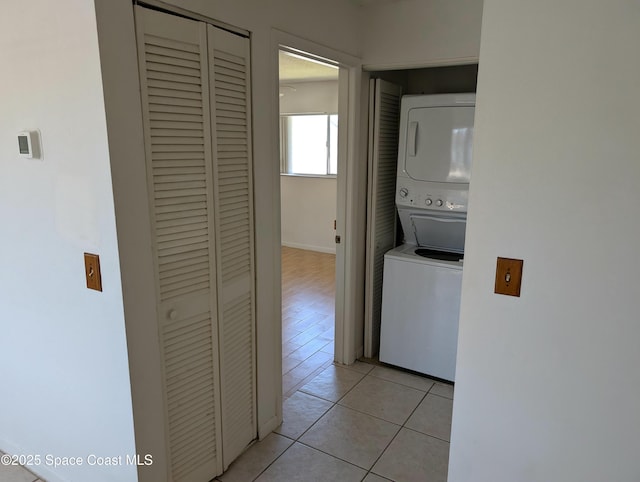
308	315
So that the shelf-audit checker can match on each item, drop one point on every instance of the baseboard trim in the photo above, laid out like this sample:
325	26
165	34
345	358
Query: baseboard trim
308	247
268	427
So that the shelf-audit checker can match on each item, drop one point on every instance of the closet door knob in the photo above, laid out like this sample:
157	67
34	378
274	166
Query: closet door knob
173	314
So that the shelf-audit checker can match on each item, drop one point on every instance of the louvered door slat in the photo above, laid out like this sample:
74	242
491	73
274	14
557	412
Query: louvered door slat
183	259
167	93
172	60
181	167
162	115
176	122
235	107
383	134
173	104
169	261
171	68
185	270
229	76
174	72
178	220
231	101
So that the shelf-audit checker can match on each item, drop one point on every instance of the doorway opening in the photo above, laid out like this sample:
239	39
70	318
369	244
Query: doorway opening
309	167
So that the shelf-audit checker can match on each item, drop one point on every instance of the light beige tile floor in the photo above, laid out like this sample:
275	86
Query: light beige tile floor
363	422
330	432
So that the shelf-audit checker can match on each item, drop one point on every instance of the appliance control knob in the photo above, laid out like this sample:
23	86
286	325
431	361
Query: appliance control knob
428	201
404	192
439	202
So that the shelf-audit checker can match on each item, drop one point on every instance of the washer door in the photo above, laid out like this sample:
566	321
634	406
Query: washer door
439	232
439	255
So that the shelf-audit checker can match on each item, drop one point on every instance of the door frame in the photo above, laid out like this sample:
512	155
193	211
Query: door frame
349	267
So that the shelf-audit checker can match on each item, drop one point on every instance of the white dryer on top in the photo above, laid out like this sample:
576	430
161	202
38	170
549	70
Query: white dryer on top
434	169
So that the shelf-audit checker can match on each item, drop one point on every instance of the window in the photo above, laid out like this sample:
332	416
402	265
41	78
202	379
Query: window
309	144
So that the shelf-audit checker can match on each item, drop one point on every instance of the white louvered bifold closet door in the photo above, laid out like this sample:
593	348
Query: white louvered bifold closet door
384	108
231	115
195	101
175	102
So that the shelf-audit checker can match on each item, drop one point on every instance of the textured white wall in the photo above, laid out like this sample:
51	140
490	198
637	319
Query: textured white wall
65	379
420	33
309	203
308	212
548	384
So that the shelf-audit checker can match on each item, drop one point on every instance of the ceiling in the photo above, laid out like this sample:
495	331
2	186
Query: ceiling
294	68
367	3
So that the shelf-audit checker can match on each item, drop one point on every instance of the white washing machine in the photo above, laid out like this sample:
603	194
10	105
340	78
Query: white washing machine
421	295
420	310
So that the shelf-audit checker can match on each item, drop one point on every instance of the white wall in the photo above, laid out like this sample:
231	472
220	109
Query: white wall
309	203
548	384
308	212
65	384
420	33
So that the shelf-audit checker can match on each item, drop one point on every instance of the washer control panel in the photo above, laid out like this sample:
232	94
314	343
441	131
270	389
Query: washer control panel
423	195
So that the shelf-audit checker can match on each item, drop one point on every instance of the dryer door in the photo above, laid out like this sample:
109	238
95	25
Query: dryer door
439	142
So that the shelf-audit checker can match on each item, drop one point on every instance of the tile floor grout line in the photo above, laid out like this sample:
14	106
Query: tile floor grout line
334	404
307	379
316	351
414	410
274	460
370	415
349	391
360	411
375	416
350	367
440	396
426	434
400	427
386	447
217	478
306	360
334	456
375	363
403	384
314	423
316	395
377	475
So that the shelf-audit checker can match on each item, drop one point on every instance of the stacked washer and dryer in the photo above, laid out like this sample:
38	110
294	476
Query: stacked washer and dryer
423	277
